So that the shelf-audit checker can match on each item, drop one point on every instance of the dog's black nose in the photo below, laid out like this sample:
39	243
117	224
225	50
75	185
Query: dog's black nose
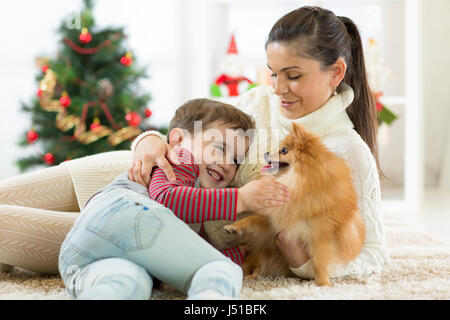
267	157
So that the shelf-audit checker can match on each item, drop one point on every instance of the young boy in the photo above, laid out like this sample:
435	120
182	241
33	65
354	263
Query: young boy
126	234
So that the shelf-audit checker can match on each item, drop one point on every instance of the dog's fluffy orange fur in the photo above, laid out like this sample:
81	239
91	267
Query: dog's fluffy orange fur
322	211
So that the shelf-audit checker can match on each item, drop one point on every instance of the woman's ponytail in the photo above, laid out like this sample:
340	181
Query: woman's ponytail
362	111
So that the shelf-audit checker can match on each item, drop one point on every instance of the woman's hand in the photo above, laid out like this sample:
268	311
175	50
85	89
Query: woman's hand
149	152
294	253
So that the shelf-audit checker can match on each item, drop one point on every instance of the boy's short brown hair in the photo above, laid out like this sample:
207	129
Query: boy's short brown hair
209	111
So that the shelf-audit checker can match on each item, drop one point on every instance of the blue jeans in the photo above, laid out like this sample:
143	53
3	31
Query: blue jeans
123	238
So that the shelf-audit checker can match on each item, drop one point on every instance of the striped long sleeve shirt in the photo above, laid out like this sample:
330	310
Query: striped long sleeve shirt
190	203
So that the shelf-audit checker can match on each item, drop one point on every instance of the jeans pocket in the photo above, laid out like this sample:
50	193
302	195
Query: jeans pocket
127	224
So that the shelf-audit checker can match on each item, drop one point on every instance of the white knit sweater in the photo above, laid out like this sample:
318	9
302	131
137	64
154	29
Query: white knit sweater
330	122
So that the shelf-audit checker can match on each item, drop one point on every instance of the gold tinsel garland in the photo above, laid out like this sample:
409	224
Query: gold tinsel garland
65	121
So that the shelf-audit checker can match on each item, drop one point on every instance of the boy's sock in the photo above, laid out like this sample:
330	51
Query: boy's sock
217	280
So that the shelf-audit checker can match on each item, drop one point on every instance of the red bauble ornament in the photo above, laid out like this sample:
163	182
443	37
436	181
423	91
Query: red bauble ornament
39	93
96	124
378	106
65	101
32	136
49	158
133	119
85	36
148	113
44	69
127	60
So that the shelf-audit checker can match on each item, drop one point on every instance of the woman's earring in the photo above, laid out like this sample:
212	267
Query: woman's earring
335	92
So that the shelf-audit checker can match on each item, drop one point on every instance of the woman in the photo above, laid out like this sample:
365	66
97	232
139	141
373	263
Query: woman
319	81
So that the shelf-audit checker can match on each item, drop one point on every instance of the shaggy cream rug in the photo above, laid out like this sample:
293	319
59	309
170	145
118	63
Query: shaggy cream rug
419	269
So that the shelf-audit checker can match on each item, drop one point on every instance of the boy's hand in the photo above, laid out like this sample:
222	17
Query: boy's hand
260	194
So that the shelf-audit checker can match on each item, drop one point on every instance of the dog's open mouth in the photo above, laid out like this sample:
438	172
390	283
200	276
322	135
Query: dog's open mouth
273	167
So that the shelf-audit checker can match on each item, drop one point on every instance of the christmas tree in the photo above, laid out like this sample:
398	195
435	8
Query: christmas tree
88	100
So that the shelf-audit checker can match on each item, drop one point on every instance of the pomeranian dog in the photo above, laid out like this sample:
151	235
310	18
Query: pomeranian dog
322	211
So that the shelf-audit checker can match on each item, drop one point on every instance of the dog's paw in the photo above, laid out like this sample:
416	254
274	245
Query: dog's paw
233	229
323	282
251	276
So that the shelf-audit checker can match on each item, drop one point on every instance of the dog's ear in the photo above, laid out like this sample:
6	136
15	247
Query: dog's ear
298	131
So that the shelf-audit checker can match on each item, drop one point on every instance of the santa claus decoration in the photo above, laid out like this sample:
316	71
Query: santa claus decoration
231	82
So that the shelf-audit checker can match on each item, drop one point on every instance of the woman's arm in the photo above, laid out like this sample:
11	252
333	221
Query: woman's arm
150	149
295	254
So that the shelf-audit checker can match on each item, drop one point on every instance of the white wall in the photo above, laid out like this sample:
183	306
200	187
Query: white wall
436	54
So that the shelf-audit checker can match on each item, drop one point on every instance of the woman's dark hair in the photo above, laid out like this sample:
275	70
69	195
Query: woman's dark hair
319	34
